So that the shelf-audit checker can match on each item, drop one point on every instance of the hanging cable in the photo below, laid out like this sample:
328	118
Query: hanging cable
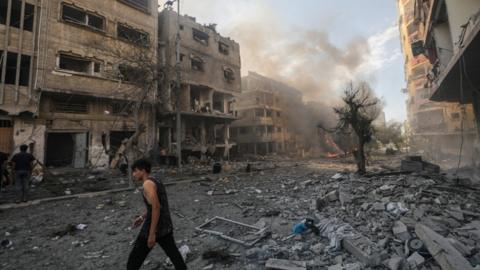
462	108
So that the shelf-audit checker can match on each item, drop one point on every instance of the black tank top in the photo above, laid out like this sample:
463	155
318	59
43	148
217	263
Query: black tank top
164	226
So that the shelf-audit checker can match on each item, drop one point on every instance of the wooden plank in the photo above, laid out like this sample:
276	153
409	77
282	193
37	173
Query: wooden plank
285	265
448	257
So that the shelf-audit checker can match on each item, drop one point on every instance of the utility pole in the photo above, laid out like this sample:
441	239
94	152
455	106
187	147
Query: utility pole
178	90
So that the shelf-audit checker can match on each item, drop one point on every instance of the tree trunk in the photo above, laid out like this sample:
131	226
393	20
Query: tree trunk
360	158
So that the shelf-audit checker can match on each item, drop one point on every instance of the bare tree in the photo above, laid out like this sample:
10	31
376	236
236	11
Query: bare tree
360	109
140	80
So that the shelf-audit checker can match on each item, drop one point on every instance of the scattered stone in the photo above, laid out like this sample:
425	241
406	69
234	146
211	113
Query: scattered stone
285	265
335	267
448	257
354	266
318	248
394	263
378	206
400	231
416	261
332	196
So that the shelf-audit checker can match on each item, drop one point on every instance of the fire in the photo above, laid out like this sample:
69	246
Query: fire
332	155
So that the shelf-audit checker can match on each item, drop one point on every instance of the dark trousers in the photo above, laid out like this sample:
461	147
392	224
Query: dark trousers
22	179
140	251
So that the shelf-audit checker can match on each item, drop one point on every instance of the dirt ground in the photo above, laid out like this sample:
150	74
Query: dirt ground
43	236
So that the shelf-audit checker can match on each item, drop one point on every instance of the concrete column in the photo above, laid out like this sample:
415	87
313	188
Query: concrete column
203	138
5	51
210	98
34	57
226	134
19	53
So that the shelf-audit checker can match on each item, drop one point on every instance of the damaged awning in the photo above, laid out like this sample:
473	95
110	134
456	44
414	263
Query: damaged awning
463	69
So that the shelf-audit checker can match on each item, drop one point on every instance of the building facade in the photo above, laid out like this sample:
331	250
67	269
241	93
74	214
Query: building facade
209	81
264	111
66	77
431	122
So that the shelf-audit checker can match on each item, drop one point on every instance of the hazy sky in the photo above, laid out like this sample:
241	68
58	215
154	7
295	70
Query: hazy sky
315	45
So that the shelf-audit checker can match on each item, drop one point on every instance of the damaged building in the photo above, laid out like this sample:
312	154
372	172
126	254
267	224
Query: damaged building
428	45
208	72
268	113
65	89
449	35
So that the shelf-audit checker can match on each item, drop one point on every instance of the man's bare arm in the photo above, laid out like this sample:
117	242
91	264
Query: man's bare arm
151	193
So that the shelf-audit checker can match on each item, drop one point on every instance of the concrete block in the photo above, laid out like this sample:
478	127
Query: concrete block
354	266
285	265
465	250
378	206
416	261
332	196
394	263
448	257
363	249
335	267
400	231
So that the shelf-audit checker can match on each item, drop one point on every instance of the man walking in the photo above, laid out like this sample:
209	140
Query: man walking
157	223
22	165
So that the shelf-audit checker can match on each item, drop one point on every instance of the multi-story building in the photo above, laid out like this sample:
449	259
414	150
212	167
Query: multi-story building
209	76
432	122
265	109
66	84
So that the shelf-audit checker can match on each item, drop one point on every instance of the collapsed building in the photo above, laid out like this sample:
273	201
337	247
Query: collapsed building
265	110
63	90
433	121
209	81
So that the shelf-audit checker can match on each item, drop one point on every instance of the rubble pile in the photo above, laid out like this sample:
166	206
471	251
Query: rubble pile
388	220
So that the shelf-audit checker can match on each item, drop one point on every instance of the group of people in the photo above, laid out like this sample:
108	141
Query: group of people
22	164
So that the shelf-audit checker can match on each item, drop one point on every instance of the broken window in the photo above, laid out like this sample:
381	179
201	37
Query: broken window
129	34
279	114
223	48
28	19
140	4
228	74
24	70
260	130
74	63
16	13
259	113
81	17
200	36
69	105
197	63
3	11
122	108
455	115
11	68
11	72
96	22
130	74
